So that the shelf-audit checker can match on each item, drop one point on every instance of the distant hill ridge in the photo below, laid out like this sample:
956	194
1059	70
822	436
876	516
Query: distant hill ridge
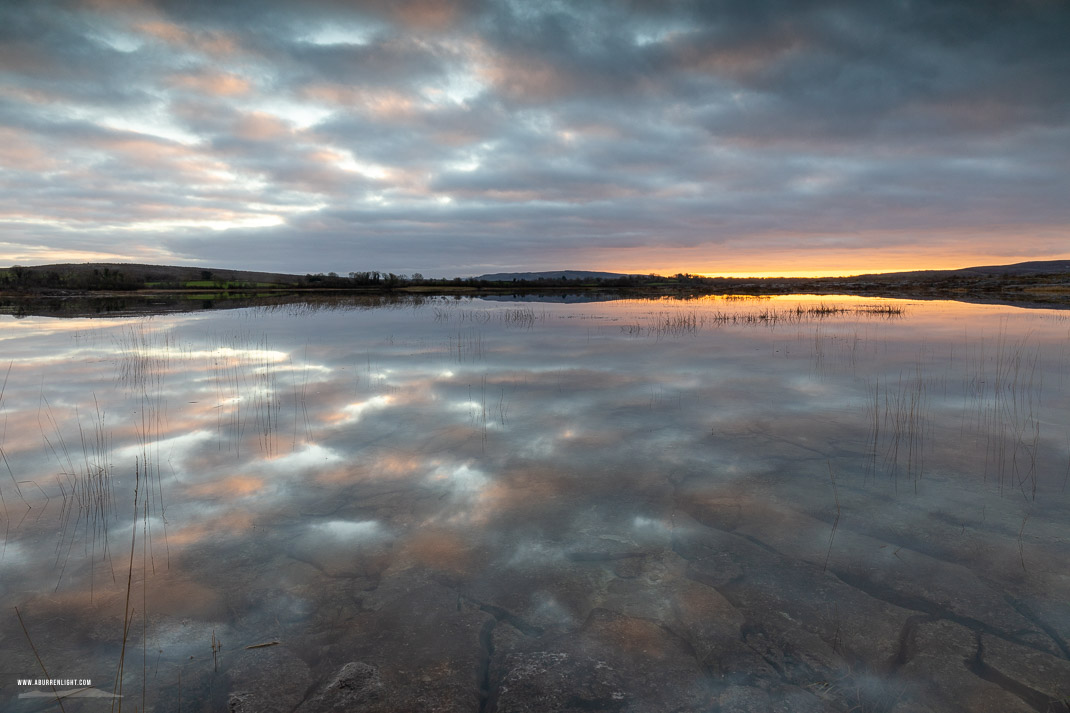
1035	267
552	275
183	272
142	271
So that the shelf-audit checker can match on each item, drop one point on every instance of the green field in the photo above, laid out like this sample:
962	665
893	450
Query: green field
215	284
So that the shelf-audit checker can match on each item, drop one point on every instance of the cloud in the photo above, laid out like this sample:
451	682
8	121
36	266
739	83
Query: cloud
510	134
219	83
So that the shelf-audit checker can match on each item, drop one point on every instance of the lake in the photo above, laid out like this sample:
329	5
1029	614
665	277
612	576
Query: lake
457	504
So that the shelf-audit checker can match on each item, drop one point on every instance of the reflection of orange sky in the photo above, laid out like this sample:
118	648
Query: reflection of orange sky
238	486
384	466
513	494
168	591
440	549
38	326
230	523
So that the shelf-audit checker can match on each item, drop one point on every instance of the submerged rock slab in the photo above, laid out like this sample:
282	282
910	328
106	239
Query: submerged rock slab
555	681
1038	678
267	680
612	663
785	699
944	673
416	647
356	687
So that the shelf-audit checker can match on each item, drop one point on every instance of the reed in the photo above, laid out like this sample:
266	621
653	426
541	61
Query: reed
38	657
86	490
836	522
900	418
127	613
675	324
518	317
468	345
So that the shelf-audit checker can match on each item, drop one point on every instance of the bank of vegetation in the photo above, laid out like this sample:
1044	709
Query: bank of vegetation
1041	282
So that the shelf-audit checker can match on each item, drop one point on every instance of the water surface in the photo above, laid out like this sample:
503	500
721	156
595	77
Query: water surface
797	503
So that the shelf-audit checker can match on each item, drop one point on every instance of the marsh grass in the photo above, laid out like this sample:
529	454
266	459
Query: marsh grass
93	490
1001	420
900	419
267	403
243	374
468	345
228	381
524	317
86	490
684	322
479	410
676	324
503	410
145	356
300	403
1005	387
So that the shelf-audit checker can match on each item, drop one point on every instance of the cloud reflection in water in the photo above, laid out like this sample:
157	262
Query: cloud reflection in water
347	461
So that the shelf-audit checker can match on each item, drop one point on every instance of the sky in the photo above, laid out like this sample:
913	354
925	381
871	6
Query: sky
460	137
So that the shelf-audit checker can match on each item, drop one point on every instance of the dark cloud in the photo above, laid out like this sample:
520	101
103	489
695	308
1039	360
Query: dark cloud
432	136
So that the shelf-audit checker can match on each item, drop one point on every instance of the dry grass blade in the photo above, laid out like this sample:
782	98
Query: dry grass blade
1021	544
118	688
836	522
38	657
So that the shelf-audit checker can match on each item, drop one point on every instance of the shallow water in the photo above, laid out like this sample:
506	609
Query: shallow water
797	503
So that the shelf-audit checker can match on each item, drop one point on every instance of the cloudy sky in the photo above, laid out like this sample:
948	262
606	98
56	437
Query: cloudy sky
457	137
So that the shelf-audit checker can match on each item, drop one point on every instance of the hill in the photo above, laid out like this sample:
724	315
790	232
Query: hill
1035	267
552	275
137	272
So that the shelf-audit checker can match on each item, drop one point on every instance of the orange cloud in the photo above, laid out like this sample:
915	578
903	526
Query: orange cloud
525	79
379	103
429	14
19	151
220	85
742	60
211	43
258	126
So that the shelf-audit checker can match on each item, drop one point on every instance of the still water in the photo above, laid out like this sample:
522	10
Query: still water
794	504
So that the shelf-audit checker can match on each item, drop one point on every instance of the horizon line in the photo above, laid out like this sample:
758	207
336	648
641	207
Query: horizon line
762	275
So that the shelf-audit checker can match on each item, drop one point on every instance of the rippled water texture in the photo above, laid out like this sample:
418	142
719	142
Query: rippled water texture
716	505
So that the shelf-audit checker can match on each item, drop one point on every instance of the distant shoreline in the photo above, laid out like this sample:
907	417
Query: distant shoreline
1038	284
90	304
